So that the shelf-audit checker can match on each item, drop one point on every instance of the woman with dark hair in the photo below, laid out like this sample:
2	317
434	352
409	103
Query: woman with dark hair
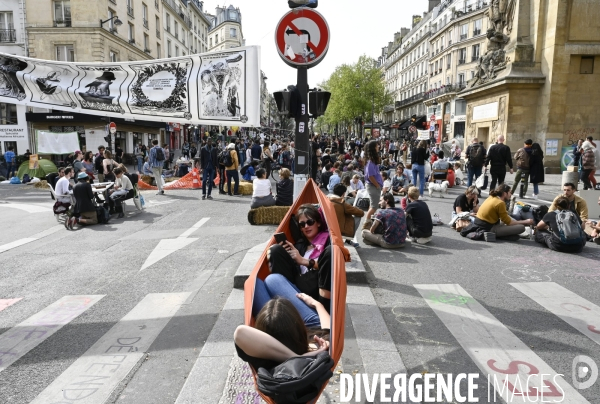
88	164
418	157
493	217
284	328
267	157
307	264
373	179
536	168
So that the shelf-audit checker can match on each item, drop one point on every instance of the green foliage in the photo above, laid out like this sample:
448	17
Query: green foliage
347	101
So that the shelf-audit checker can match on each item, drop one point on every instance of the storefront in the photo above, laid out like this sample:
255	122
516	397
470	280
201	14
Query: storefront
92	129
13	129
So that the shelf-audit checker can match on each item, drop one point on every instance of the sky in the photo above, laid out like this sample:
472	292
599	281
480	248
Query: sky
357	27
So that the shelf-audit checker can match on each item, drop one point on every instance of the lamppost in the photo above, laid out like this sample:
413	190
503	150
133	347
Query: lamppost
268	104
434	105
357	86
117	22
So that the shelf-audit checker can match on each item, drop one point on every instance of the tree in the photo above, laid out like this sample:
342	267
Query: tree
347	101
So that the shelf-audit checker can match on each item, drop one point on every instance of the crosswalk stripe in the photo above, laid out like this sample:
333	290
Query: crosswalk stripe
581	314
97	373
498	353
22	338
4	303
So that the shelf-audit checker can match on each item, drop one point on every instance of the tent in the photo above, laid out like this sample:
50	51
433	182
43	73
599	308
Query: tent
44	167
460	141
340	255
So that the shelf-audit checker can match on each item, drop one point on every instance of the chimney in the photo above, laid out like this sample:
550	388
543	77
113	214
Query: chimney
404	31
397	36
433	3
416	19
424	14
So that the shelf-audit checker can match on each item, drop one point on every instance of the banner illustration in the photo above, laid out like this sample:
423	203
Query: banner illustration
211	88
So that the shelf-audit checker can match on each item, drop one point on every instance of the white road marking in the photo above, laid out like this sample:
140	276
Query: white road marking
20	242
27	207
4	303
167	247
581	314
22	338
95	375
496	350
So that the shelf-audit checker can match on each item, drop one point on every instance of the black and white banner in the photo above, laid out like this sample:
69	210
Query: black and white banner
210	88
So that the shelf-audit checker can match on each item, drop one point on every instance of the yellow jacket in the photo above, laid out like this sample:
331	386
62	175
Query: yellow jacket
234	157
492	210
580	207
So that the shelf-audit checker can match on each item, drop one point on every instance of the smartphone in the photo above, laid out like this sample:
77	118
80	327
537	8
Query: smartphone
280	237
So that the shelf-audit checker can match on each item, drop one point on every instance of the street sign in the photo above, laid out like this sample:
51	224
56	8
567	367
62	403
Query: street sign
302	37
112	128
432	118
412	129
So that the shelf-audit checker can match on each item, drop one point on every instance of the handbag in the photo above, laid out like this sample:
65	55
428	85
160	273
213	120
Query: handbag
482	181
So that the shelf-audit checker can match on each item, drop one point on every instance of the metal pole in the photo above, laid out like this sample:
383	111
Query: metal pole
373	115
302	140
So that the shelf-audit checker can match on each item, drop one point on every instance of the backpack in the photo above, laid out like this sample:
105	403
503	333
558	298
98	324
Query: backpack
244	169
363	203
26	178
297	380
225	158
284	158
98	163
569	229
476	156
539	213
103	215
160	154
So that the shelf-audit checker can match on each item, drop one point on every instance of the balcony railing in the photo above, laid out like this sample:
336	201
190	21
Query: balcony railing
147	50
168	28
449	42
62	23
474	58
130	11
436	92
145	22
113	1
463	37
461	61
132	41
410	100
476	32
8	35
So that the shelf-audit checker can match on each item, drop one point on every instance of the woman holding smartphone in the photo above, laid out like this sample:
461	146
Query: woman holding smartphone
373	180
306	264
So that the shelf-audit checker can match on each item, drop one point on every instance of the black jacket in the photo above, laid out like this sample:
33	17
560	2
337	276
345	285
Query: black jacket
207	155
499	156
536	167
83	194
419	155
285	192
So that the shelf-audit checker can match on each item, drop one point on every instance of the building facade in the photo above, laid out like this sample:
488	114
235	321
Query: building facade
14	131
458	39
226	29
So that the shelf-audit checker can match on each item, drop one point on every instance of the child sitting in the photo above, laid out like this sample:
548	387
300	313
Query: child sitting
458	174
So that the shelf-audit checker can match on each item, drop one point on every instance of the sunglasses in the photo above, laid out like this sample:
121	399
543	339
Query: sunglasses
309	222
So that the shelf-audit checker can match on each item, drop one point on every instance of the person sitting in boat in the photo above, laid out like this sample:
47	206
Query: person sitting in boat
284	327
306	264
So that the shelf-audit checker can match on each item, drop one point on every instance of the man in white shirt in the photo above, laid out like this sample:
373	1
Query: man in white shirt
62	191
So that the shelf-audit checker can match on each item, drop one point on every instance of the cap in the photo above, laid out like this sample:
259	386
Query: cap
81	176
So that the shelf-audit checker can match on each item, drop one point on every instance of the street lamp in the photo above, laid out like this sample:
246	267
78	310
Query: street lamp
372	109
117	22
268	104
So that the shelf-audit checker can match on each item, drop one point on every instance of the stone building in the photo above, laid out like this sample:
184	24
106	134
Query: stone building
14	131
458	39
226	29
539	77
185	28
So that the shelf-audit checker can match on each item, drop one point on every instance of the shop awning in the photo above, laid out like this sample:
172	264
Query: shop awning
418	123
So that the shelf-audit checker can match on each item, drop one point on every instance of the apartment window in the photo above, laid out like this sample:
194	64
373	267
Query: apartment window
460	107
131	35
62	12
464	31
130	8
156	4
157	28
168	48
233	32
113	57
216	39
176	29
146	43
477	27
168	20
176	50
65	53
8	116
448	61
461	79
210	42
587	65
475	53
183	54
145	15
462	56
7	29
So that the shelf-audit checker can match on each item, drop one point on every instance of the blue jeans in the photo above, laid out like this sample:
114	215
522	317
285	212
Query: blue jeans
242	158
10	168
276	285
233	174
536	188
140	161
207	178
420	171
473	171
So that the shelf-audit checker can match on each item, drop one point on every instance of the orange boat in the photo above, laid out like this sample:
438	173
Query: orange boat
310	194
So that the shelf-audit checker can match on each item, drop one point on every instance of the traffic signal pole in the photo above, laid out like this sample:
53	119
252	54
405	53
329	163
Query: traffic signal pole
302	153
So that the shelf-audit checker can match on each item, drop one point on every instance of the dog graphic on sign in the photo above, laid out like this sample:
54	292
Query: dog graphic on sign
297	47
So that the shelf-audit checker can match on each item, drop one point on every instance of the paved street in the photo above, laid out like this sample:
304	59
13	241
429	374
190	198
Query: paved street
142	302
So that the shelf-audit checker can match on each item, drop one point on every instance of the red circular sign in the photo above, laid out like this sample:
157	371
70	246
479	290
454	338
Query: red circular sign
433	117
412	129
302	37
112	127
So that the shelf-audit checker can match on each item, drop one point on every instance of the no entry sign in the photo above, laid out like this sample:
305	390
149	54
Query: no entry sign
302	37
113	127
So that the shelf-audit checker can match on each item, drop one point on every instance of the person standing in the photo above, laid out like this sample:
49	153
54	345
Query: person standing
139	156
11	162
522	158
536	168
498	157
475	160
185	150
232	171
267	158
208	162
167	156
157	161
588	164
418	157
373	179
315	155
118	154
592	177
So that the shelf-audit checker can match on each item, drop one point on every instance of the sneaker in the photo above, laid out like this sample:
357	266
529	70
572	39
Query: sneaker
72	222
238	194
596	240
160	193
422	198
203	197
222	192
534	196
209	197
67	220
423	240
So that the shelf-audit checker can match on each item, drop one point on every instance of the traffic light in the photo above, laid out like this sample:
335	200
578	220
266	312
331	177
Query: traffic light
282	99
303	3
107	139
317	102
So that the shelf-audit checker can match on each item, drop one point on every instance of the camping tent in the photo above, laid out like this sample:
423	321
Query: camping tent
44	167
